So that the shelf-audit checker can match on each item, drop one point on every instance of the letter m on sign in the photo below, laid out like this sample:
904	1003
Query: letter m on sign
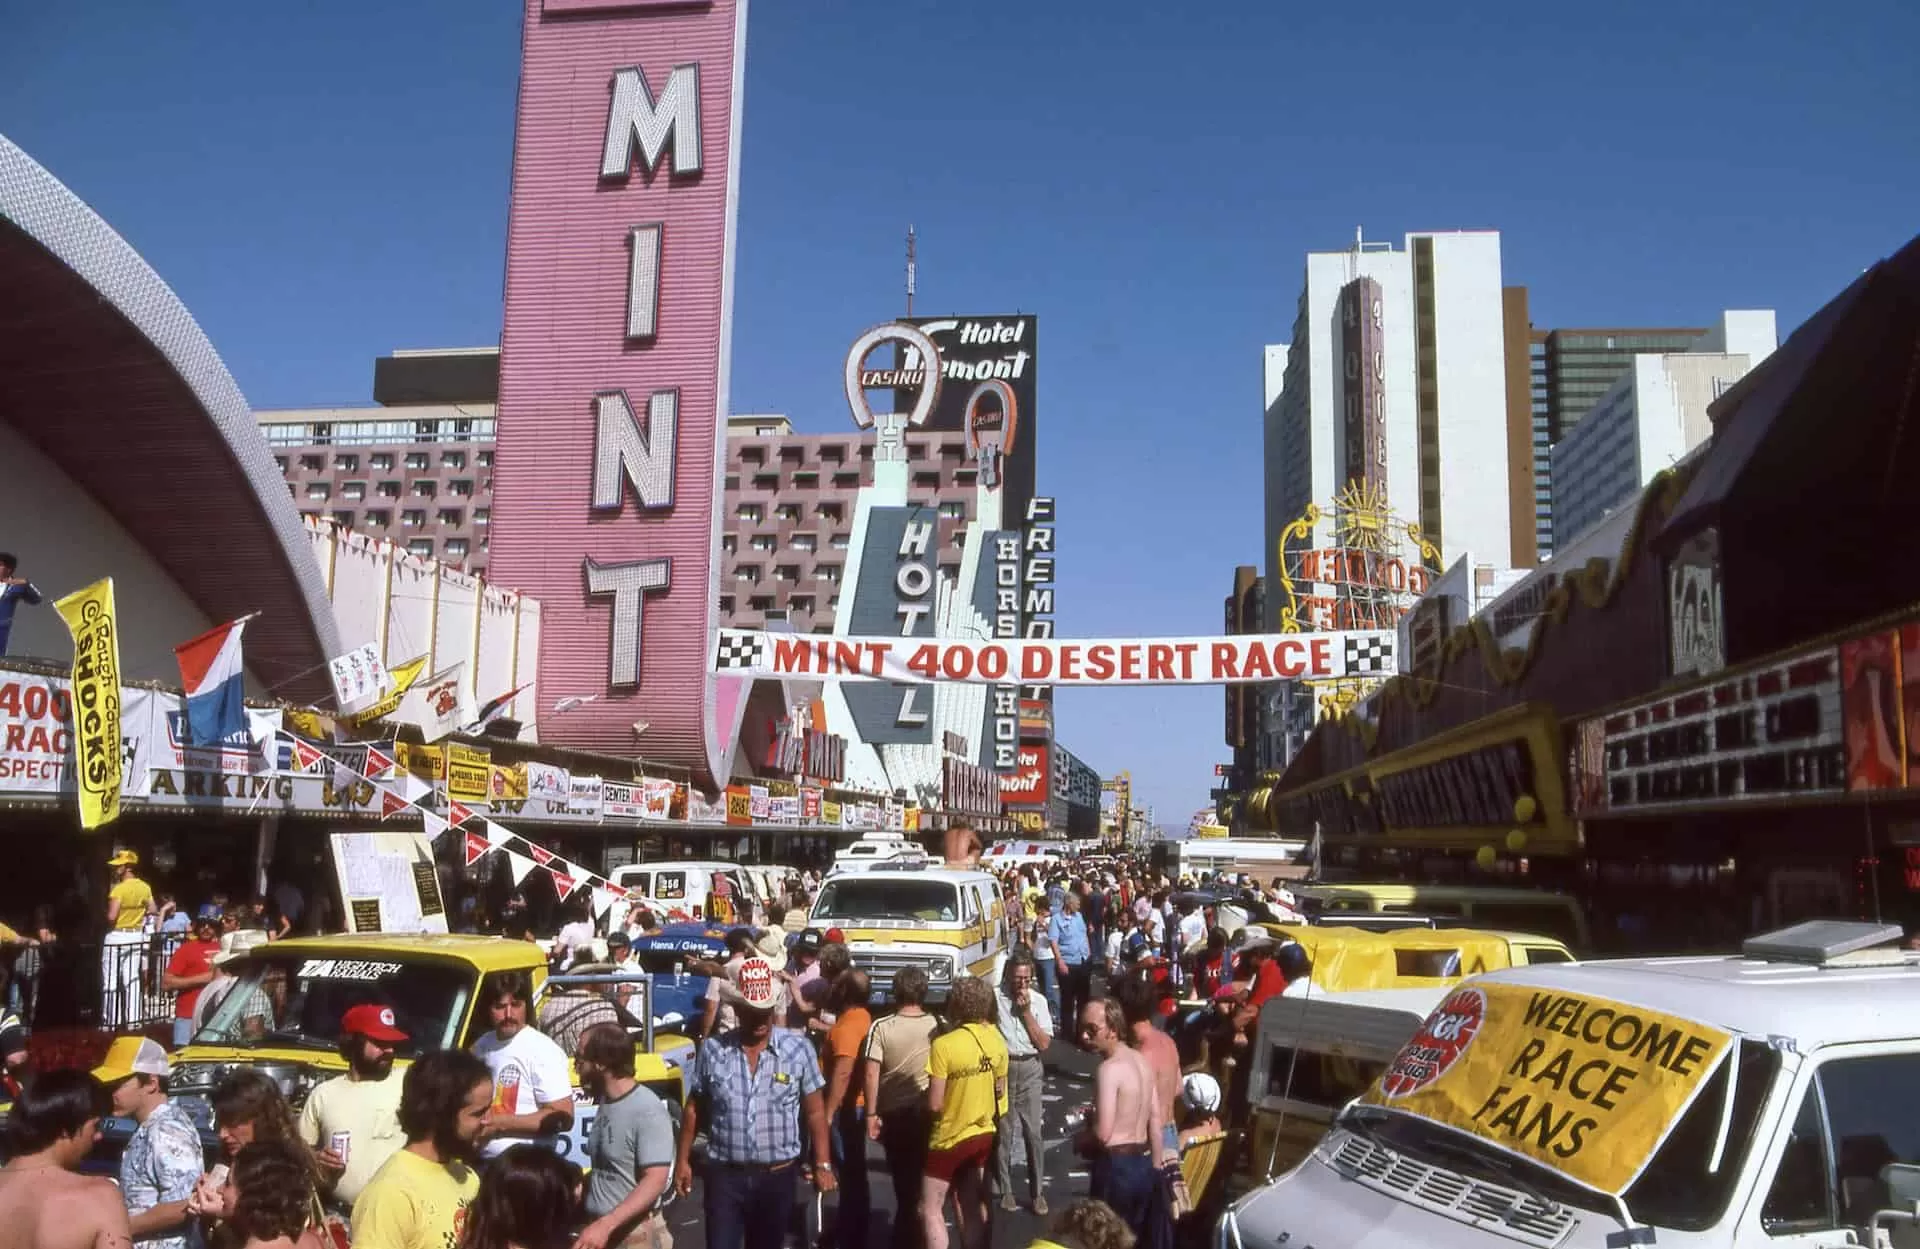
636	119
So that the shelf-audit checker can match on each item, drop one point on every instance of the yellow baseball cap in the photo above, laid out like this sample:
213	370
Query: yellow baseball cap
125	858
132	1056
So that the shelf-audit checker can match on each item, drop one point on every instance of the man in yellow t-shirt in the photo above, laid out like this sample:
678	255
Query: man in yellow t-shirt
123	952
418	1199
967	1093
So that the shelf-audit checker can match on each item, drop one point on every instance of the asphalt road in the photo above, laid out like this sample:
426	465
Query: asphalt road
1068	1087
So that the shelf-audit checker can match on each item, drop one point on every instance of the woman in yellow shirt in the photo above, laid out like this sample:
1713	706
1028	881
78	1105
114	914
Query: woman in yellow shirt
967	1093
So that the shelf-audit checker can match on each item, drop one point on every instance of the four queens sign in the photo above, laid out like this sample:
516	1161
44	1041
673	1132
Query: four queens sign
614	361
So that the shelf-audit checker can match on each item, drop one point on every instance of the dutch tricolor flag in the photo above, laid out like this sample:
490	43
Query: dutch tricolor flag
210	668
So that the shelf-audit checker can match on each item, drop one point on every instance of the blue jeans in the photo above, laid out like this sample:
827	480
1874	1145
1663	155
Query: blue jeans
1050	986
1131	1184
182	1032
747	1207
855	1204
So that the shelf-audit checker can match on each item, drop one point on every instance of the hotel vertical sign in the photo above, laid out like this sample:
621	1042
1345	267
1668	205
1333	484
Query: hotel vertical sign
614	358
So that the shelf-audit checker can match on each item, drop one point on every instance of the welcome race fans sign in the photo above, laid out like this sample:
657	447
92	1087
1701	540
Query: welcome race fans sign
1056	661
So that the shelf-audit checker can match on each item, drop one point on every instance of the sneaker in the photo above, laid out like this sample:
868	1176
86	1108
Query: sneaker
1040	1206
1007	1203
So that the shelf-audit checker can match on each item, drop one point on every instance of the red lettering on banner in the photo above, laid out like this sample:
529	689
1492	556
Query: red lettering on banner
877	655
1226	665
1259	663
1036	663
1187	650
792	655
1290	658
926	661
1159	663
1069	663
1100	662
846	656
1321	650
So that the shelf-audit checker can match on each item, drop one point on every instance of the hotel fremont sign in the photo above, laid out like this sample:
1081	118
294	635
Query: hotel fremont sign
614	358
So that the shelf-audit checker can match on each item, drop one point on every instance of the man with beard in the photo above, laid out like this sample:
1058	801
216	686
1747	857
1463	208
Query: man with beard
43	1203
352	1122
630	1147
418	1199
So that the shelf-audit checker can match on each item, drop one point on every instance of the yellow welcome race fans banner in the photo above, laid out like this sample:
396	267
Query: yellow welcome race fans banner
96	700
1586	1086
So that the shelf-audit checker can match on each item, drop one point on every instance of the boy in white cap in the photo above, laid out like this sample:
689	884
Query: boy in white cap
163	1160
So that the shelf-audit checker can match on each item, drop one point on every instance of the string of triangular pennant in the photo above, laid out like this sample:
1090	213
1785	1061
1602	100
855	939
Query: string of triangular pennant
523	855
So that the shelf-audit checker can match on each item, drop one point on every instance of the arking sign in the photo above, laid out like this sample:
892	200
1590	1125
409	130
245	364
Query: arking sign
614	358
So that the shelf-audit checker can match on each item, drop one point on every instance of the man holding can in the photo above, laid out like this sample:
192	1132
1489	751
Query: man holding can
352	1122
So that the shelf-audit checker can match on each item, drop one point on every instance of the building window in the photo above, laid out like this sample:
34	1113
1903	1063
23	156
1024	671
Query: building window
323	432
786	572
805	542
380	461
747	572
916	451
483	459
753	455
379	519
292	491
761	542
833	453
425	489
313	463
453	459
354	490
787	511
346	463
751	512
760	602
733	481
766	481
846	481
482	516
281	460
839	541
460	488
423	547
319	490
926	481
389	489
729	544
412	518
726	604
835	512
426	431
456	548
416	461
801	603
806	479
827	572
953	511
343	519
452	517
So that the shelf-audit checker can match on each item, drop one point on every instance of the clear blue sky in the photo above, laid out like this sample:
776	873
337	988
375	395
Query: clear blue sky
325	182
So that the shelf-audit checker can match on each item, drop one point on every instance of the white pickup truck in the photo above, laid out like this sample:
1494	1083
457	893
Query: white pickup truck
1765	1099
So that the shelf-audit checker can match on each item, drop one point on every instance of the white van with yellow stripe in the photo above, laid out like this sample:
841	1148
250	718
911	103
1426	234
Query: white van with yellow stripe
951	923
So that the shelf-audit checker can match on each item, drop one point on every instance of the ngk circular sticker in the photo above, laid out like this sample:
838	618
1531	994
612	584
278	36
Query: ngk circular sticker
1437	1046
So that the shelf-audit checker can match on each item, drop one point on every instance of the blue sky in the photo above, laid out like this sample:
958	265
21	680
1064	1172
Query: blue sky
323	183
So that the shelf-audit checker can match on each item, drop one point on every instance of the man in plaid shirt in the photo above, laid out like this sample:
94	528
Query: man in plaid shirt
754	1086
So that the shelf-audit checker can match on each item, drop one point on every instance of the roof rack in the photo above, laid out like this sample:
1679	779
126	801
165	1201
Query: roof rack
1819	942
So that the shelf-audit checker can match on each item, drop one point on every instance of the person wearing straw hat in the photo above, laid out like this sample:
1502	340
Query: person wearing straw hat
753	1088
162	1162
252	1015
122	961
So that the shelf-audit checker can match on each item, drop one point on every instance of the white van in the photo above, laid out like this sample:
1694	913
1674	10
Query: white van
951	923
1769	1100
683	889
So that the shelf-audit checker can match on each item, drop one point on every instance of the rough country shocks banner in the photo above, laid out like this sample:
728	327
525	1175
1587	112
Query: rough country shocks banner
1584	1085
1135	661
614	357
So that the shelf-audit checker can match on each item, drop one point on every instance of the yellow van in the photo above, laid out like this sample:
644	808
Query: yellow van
952	923
1484	907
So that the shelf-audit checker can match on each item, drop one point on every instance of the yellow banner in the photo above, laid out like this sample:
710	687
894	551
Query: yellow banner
96	700
403	678
469	772
429	763
830	813
509	782
1586	1086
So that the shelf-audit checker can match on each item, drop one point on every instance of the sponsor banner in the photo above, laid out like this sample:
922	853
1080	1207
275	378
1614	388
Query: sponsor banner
469	773
1583	1085
656	798
810	805
359	678
832	814
508	782
428	763
36	736
1032	782
1143	661
968	789
621	800
554	810
739	805
701	810
546	781
759	803
98	765
584	794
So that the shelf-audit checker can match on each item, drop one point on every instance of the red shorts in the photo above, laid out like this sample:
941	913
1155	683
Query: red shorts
944	1164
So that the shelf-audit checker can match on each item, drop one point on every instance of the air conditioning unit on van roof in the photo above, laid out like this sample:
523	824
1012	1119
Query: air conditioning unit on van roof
1820	942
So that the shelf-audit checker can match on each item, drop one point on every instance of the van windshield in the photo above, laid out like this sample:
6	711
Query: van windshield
916	901
1677	1190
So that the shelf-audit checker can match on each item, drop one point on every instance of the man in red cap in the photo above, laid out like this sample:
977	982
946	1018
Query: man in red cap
352	1122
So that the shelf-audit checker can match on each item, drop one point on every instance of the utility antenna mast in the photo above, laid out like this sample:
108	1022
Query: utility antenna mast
911	273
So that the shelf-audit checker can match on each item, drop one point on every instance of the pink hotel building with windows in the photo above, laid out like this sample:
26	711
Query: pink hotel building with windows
417	469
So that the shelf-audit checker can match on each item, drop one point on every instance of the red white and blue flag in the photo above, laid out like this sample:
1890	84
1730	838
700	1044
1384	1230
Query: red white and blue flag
211	670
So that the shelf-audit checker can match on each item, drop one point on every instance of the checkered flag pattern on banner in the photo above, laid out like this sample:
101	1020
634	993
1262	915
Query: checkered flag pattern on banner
737	650
1369	654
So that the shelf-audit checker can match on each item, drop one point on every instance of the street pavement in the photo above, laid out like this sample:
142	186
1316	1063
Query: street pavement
1068	1087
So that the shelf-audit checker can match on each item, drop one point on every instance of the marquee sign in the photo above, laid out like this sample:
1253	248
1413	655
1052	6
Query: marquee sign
614	358
1137	661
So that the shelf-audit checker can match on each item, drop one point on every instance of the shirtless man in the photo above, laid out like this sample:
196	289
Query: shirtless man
1140	1001
1127	1129
962	847
43	1204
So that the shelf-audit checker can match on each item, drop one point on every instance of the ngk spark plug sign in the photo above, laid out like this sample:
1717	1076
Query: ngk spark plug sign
1135	661
614	355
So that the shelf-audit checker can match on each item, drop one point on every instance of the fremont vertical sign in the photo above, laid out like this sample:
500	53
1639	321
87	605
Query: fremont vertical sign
614	360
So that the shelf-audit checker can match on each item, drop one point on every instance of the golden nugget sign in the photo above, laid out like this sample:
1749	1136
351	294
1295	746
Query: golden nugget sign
1370	578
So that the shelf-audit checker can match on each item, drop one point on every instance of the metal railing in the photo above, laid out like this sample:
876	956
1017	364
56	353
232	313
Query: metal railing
114	985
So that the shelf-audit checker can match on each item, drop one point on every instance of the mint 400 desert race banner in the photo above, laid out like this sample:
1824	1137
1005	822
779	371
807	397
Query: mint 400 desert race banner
1055	661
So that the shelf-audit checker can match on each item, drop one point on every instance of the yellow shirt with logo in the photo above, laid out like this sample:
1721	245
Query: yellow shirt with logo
411	1203
972	1059
133	895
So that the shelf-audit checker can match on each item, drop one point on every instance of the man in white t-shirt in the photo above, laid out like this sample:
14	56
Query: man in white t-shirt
532	1088
574	936
1192	935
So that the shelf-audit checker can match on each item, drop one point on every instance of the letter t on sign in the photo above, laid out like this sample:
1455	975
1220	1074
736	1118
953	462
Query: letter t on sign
628	583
